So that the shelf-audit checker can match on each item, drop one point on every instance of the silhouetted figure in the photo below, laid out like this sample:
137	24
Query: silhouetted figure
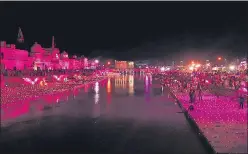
200	94
241	101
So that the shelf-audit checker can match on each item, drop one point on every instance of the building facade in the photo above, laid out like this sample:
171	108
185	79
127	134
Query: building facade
38	59
124	64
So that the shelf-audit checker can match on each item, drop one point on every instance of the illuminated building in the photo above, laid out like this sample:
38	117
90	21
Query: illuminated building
12	58
39	58
124	64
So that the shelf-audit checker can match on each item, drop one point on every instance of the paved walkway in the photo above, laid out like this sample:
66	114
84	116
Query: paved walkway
221	121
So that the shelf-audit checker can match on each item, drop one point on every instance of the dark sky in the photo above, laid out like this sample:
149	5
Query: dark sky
129	29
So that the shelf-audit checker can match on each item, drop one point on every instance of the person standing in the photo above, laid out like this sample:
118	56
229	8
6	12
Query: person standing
200	94
190	96
193	95
241	101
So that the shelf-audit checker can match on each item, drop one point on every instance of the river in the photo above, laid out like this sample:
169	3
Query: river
125	114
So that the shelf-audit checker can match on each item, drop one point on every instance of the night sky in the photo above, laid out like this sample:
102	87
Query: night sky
131	30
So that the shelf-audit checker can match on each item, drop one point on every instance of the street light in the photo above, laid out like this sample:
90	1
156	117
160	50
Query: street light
232	67
219	58
96	61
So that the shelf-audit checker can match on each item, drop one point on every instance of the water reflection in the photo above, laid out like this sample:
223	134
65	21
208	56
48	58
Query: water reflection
131	84
30	106
86	88
109	86
148	81
121	81
97	95
126	85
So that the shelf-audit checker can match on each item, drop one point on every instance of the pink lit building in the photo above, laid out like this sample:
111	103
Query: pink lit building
12	58
39	58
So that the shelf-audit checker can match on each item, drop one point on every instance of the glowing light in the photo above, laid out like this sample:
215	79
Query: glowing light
232	67
96	87
215	68
244	89
109	86
131	84
43	83
219	58
162	69
96	61
57	78
198	65
65	79
191	68
30	81
108	63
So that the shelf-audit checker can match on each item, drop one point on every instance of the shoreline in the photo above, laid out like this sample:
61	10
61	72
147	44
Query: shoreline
209	148
212	135
43	91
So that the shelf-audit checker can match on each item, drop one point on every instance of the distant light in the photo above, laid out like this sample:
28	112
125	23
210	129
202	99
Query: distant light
191	68
198	65
162	69
244	89
146	66
232	67
219	58
108	63
192	62
96	61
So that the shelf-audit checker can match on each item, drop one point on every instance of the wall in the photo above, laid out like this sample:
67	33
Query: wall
14	58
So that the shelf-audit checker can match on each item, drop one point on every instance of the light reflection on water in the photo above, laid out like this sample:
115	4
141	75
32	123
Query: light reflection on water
97	95
122	84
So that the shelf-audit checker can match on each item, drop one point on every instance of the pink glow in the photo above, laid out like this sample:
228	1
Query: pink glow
39	57
221	117
30	80
58	78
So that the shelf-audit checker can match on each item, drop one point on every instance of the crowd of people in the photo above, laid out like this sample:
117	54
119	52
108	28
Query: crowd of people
196	83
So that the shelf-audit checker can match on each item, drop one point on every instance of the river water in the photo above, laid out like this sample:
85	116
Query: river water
125	114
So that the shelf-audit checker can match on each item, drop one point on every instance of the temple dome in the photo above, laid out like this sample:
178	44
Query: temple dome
36	48
64	54
74	56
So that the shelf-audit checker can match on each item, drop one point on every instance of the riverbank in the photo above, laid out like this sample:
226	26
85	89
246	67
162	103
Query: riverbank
219	120
12	94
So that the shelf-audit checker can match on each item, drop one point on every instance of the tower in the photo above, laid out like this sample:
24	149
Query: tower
20	37
53	44
20	44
